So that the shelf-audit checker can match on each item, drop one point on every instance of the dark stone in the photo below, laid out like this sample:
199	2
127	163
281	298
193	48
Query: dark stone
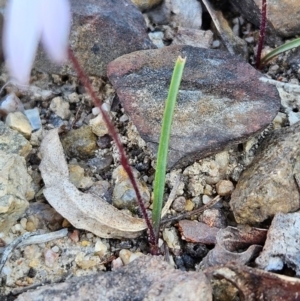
196	250
221	100
100	164
189	262
80	143
104	141
101	31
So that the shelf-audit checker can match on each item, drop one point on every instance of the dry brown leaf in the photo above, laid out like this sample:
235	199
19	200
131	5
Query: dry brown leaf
230	243
82	210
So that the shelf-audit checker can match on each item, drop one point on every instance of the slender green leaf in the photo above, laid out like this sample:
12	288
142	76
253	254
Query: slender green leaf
285	47
162	155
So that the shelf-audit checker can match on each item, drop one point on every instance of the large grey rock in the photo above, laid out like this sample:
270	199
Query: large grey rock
269	185
283	15
146	278
15	189
101	31
221	100
282	244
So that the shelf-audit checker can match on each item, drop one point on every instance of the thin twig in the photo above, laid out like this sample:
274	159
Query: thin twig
124	162
36	238
262	32
197	211
76	116
171	197
286	86
8	250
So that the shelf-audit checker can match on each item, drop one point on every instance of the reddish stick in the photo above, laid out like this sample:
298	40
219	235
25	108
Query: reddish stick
262	32
97	102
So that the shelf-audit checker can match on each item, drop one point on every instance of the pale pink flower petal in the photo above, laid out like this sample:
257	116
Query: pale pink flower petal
56	27
22	31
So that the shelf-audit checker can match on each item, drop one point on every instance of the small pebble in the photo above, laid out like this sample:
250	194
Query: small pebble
34	263
189	205
197	250
157	38
179	263
32	272
206	199
33	115
80	143
208	190
89	235
274	68
179	204
32	252
124	118
117	263
66	224
197	201
96	111
76	175
171	238
23	222
100	248
214	218
11	103
74	236
98	126
216	44
135	255
73	97
86	262
60	107
50	258
55	249
189	262
249	39
85	243
224	187
125	256
19	122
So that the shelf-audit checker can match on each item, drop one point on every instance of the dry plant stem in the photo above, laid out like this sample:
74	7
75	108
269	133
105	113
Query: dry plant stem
124	162
194	212
262	32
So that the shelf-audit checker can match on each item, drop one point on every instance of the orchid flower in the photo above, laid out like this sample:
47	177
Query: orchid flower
27	22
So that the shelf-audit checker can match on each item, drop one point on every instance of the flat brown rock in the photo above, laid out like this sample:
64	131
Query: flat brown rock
101	31
221	100
146	278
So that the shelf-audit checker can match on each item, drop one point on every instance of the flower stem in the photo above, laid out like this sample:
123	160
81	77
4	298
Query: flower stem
124	161
262	32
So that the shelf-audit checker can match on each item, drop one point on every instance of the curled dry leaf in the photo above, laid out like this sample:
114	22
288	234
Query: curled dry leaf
230	242
82	210
254	284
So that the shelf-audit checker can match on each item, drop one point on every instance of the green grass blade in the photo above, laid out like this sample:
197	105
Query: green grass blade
160	173
285	47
